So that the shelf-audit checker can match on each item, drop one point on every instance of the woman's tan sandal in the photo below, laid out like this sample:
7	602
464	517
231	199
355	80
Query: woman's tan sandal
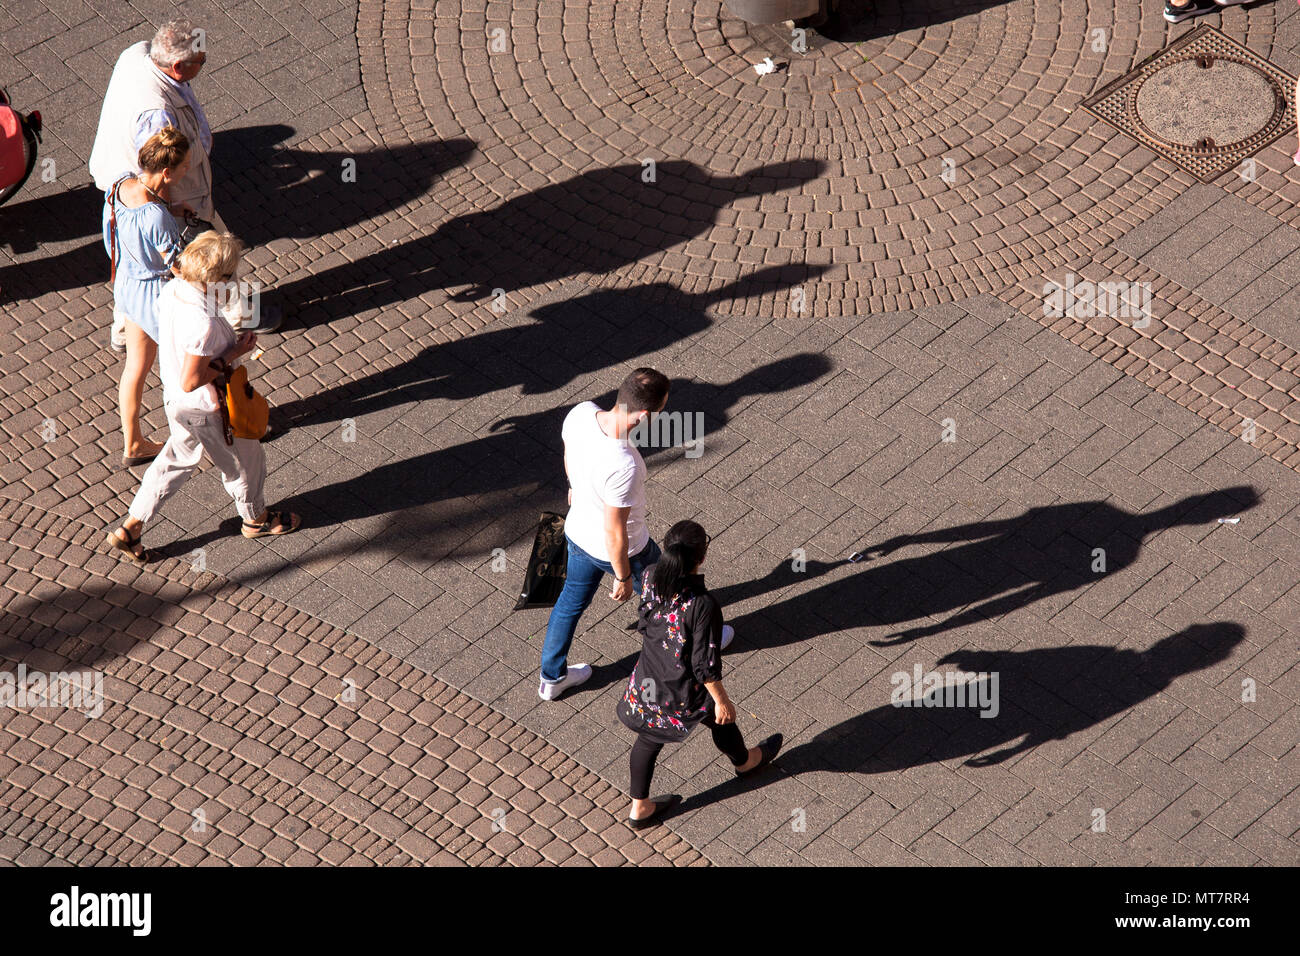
128	545
277	522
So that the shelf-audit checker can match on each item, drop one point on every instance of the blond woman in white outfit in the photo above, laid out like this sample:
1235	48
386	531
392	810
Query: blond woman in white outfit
194	343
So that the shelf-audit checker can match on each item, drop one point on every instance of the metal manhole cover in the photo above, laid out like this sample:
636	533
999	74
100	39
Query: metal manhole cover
1205	102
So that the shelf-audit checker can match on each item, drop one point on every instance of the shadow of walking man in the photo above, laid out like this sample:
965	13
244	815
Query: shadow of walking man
567	340
68	220
266	191
1015	701
90	625
436	501
996	567
1035	696
596	222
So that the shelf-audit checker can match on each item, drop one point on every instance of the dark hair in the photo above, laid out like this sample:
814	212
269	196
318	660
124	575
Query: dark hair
684	548
643	391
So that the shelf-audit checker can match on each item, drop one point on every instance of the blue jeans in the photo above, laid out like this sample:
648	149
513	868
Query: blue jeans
581	583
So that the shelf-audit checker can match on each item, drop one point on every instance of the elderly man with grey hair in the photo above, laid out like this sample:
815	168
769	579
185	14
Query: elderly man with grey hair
150	89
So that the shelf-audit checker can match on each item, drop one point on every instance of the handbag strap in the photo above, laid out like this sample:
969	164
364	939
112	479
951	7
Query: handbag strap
112	228
223	390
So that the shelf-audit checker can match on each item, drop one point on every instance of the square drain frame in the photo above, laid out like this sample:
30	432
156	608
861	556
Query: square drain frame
1115	103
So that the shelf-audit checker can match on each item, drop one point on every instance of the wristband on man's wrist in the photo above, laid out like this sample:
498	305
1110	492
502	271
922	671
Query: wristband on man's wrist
623	580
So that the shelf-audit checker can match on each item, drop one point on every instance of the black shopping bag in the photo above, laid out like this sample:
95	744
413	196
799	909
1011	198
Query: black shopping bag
544	579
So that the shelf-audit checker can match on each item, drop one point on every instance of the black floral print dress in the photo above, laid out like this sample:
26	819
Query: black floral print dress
681	651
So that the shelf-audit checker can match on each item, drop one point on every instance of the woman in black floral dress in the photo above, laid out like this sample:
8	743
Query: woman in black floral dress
677	680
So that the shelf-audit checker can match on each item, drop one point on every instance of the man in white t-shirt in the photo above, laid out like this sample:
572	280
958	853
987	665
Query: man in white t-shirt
606	525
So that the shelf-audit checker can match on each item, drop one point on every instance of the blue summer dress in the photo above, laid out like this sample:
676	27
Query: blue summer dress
148	242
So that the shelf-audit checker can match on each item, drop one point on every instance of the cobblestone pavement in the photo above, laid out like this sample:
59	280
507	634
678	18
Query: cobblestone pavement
599	186
238	729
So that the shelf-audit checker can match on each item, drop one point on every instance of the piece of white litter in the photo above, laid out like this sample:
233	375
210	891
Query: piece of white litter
766	67
1228	520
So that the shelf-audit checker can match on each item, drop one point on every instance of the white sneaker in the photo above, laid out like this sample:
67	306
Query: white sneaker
577	674
728	635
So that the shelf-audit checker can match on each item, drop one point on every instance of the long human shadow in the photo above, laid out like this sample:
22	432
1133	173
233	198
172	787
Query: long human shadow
595	222
610	326
854	21
56	219
266	191
111	618
1032	697
997	567
263	192
428	501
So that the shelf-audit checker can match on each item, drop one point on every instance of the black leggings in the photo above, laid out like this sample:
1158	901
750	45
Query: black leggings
726	737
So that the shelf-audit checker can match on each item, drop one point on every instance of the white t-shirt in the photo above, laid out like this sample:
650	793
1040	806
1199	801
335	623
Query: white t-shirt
189	324
603	471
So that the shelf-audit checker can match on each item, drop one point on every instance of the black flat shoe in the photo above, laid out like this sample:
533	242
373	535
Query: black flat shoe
662	806
770	748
